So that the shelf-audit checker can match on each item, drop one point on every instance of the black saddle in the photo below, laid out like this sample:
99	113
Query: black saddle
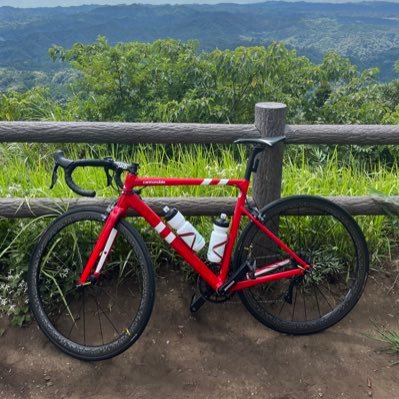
270	141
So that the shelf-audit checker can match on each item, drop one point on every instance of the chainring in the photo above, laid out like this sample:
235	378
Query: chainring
208	293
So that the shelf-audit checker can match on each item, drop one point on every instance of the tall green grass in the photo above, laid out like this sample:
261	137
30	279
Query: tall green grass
26	172
29	168
391	338
333	177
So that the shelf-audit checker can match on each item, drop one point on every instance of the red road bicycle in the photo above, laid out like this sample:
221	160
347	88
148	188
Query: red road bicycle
299	265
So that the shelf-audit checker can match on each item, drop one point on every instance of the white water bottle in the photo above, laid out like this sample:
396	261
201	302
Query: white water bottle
184	229
217	243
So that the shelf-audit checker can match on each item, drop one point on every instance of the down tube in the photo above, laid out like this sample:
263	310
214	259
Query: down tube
174	240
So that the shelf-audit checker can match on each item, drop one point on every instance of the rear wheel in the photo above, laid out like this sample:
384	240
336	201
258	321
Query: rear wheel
98	320
328	239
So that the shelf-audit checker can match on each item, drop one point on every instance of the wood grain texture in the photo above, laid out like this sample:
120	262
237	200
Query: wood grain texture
190	206
191	133
28	208
124	133
342	134
270	120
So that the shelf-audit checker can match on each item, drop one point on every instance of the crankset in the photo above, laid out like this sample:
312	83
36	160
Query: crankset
206	294
209	294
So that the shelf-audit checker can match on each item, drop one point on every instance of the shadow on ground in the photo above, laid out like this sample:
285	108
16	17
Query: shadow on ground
222	352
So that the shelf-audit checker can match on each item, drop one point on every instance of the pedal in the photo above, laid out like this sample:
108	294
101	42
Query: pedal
196	303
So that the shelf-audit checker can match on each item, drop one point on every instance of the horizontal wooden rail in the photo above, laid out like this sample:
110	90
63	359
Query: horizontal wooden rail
123	133
269	121
342	134
189	133
190	206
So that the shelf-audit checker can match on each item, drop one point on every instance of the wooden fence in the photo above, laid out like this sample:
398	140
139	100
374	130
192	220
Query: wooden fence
269	122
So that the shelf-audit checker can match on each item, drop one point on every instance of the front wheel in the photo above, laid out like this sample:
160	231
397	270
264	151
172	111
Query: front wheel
329	240
103	318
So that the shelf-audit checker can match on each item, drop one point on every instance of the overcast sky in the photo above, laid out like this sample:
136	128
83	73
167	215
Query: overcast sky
65	3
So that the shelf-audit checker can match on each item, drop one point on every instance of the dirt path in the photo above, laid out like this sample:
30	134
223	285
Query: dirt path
221	353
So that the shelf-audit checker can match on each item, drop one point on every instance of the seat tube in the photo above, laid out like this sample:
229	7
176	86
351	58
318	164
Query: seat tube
235	224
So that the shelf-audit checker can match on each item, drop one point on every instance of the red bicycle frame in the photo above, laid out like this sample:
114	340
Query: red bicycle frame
130	199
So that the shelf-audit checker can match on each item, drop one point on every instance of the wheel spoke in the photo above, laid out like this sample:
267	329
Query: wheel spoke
84	317
326	238
122	297
304	304
317	300
328	303
293	308
74	323
114	301
105	314
99	320
282	306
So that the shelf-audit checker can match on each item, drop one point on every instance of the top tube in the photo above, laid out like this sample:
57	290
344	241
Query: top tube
133	181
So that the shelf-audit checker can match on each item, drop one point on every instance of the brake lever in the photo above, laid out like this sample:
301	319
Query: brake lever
109	177
54	176
106	170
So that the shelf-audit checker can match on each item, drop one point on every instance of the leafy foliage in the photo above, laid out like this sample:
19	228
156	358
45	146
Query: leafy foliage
34	105
173	81
366	33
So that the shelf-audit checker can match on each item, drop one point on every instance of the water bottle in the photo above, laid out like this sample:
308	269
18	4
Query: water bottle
217	243
184	229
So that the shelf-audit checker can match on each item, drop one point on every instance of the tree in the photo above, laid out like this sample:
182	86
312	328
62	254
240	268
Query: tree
32	105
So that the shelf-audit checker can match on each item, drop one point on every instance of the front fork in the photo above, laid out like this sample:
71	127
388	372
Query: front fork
103	245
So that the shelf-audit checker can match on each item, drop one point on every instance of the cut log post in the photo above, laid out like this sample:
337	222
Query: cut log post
270	121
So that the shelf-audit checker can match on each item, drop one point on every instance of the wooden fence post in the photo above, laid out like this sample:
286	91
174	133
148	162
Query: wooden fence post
270	121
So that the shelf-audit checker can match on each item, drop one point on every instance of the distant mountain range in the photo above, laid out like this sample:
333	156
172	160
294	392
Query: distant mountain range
366	32
68	3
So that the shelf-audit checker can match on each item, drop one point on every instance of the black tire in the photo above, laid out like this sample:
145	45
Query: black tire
330	240
95	321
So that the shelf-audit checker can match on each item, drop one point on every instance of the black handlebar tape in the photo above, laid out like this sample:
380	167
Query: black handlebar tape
70	165
74	187
81	163
65	163
61	160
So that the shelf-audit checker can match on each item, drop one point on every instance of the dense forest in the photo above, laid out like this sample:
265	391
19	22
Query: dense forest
172	81
367	33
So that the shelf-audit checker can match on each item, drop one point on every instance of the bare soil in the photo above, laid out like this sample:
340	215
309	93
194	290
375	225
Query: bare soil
222	352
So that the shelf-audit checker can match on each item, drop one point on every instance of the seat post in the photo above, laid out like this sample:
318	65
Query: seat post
259	145
251	163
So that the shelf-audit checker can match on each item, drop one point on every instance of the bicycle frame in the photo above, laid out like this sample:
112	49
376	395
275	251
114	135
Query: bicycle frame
130	199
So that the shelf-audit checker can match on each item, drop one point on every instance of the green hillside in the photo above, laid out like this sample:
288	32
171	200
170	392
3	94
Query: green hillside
367	33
